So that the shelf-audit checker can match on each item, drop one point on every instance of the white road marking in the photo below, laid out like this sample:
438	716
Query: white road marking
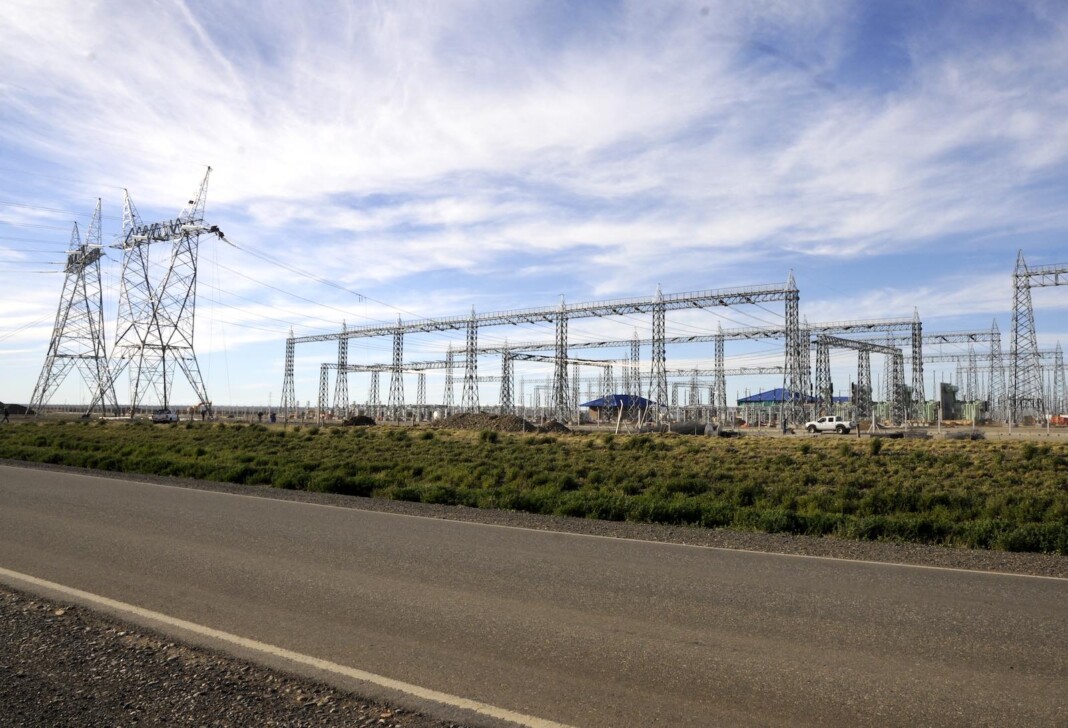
280	652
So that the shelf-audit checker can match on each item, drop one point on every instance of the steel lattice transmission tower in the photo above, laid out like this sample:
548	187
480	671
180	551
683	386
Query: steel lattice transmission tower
341	388
396	377
1057	398
1025	382
797	353
919	398
156	316
998	405
659	384
469	401
78	334
562	403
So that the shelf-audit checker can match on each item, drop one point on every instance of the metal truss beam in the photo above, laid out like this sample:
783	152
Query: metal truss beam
593	309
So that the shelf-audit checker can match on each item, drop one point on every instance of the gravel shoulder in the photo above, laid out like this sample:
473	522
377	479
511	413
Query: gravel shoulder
64	665
1052	565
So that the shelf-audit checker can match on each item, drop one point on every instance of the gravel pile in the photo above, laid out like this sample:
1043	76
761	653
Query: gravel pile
63	665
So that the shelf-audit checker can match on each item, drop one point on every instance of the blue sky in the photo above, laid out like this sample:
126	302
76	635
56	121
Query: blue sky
435	156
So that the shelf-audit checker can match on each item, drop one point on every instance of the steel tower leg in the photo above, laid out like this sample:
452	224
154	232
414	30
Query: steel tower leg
562	408
341	389
635	366
720	400
396	378
863	398
824	387
919	398
659	372
324	392
470	394
1025	397
289	395
796	354
998	396
420	396
507	374
450	361
575	395
1057	398
374	401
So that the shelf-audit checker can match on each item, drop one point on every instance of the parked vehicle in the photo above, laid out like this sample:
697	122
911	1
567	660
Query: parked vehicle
164	415
831	423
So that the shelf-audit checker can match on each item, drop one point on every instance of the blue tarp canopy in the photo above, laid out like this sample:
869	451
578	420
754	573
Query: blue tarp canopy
776	395
627	401
783	395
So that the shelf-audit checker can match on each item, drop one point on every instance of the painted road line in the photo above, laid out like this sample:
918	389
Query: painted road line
454	701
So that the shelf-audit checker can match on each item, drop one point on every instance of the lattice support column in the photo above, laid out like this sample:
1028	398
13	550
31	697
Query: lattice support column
862	399
450	366
507	380
1025	396
324	392
919	397
608	381
562	408
396	376
824	386
374	399
1059	393
998	395
796	354
635	366
341	388
720	379
659	371
575	399
693	400
420	396
289	394
897	388
469	400
973	376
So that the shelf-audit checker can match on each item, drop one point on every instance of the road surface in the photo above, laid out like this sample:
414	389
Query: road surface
580	630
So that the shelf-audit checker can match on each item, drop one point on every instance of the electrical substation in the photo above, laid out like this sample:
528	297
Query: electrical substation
543	380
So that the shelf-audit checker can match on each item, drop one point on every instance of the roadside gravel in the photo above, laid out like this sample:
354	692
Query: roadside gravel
881	551
62	665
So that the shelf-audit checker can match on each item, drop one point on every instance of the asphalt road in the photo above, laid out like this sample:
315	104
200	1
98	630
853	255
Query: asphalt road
582	630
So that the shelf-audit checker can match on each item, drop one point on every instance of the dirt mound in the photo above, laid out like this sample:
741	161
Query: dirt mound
486	421
359	421
554	426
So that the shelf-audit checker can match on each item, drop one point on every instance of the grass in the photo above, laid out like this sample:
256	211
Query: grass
992	495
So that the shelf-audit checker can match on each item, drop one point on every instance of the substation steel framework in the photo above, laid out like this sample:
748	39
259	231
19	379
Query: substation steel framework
78	334
895	386
657	306
1026	397
154	333
899	331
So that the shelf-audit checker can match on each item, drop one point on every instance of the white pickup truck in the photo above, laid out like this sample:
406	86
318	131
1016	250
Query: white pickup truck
831	423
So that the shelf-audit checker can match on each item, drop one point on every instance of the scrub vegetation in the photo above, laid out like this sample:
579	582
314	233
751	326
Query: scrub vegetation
981	494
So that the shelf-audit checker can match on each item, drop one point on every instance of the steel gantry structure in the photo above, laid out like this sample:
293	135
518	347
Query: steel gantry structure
1025	381
898	331
656	306
78	334
895	385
